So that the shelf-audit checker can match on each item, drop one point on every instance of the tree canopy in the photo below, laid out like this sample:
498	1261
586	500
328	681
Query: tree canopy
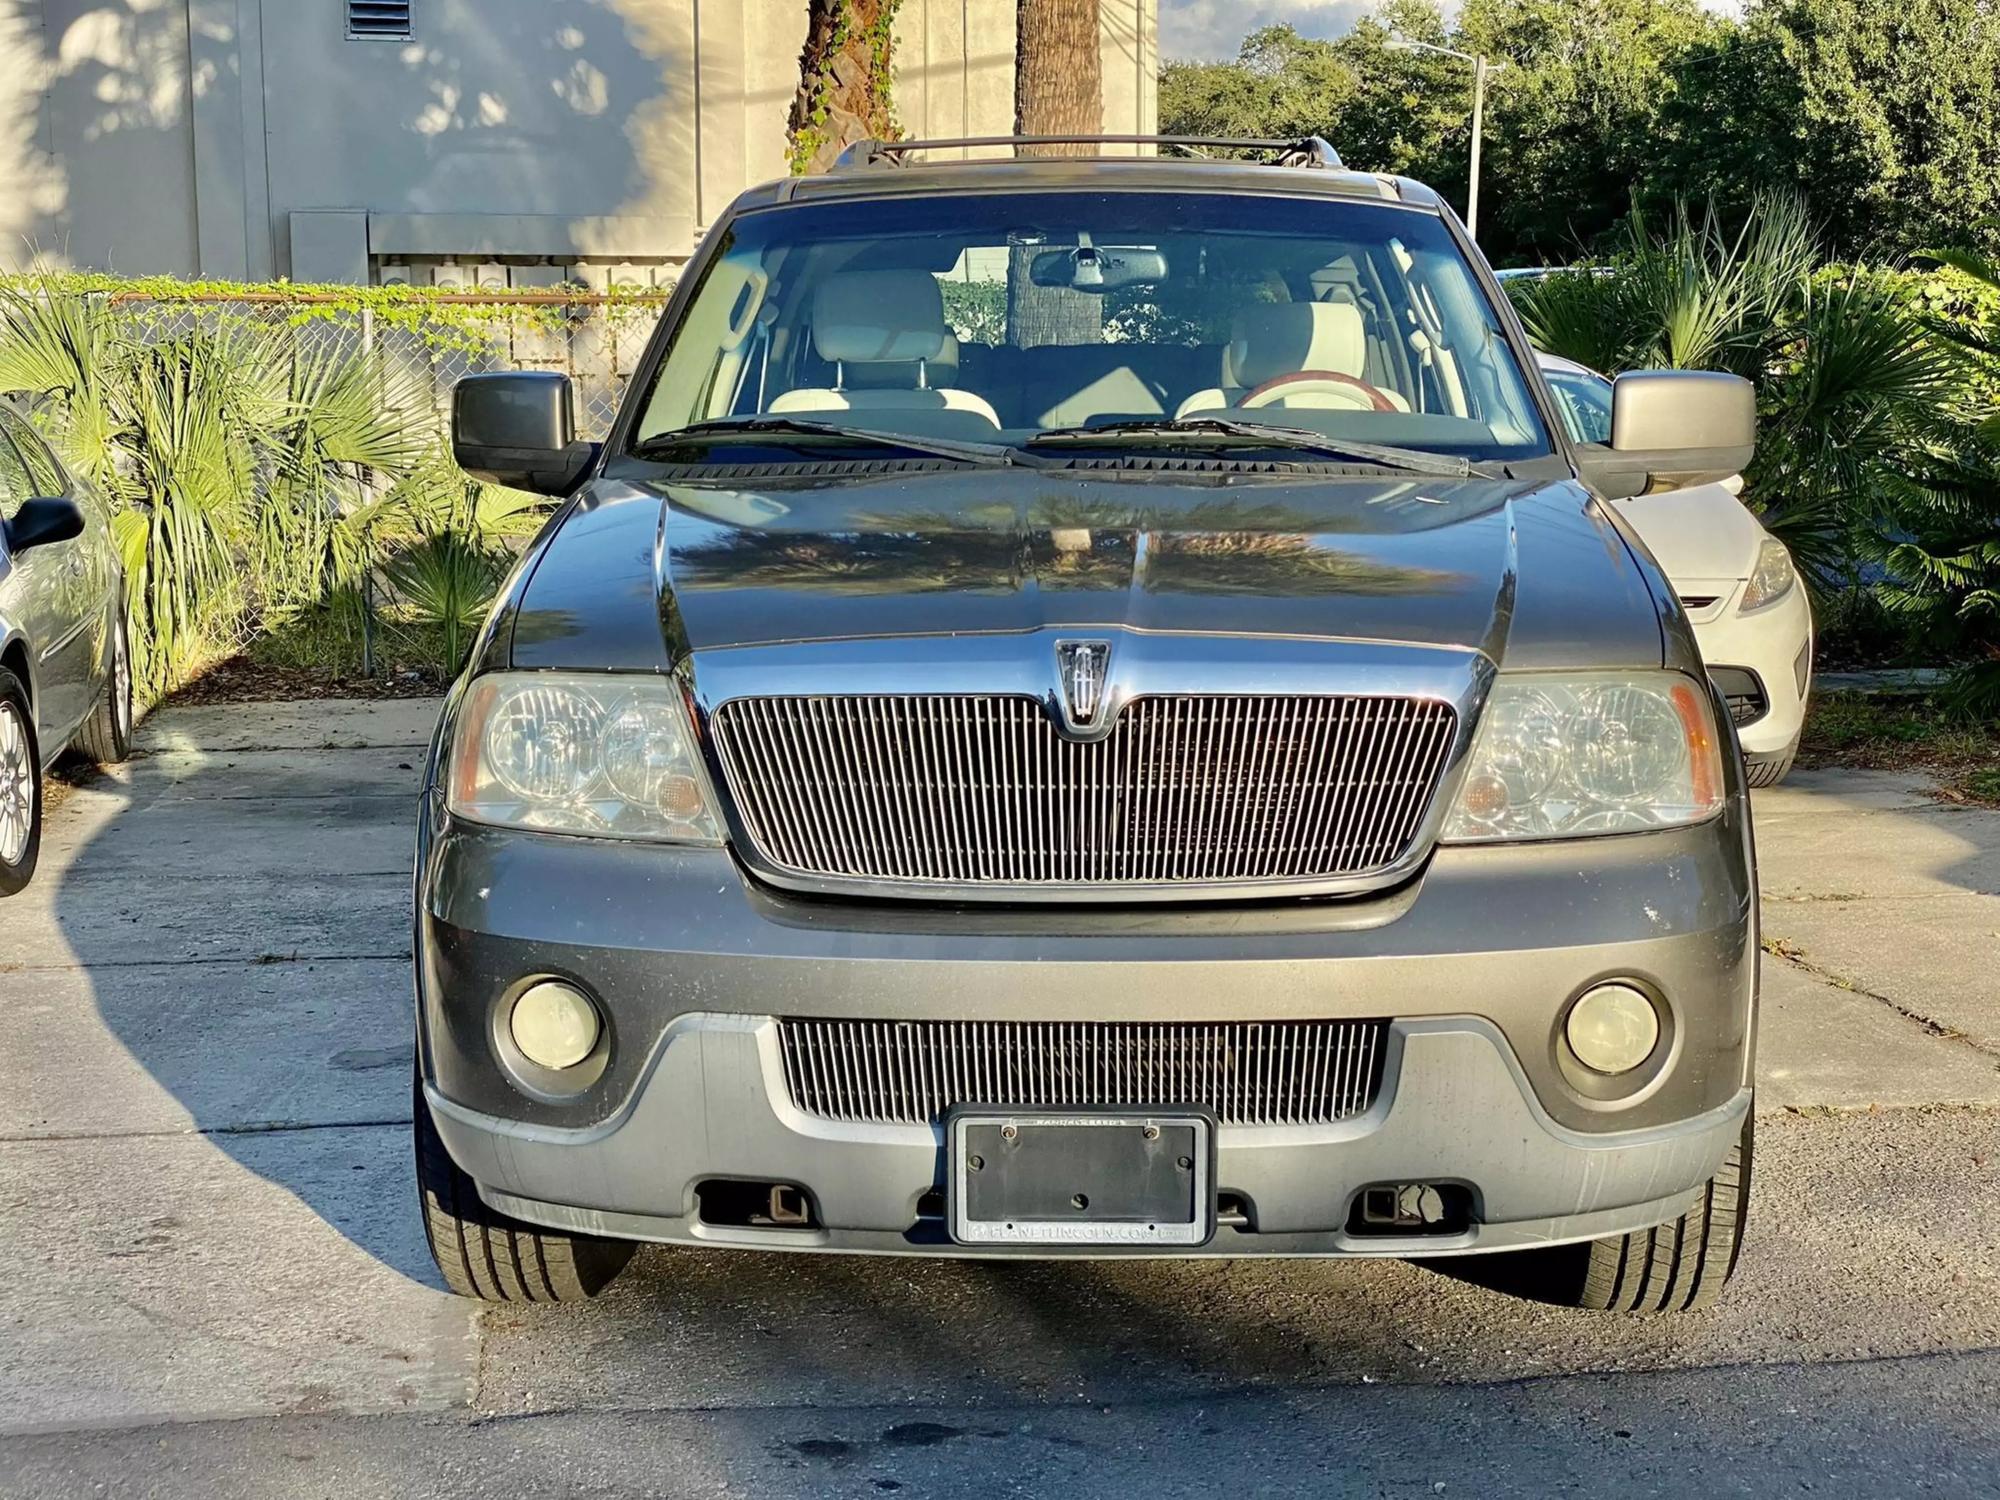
1884	113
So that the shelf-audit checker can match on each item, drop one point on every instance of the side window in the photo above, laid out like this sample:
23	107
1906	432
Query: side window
45	472
16	486
1585	404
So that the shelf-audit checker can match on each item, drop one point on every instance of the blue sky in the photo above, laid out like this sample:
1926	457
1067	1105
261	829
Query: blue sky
1214	28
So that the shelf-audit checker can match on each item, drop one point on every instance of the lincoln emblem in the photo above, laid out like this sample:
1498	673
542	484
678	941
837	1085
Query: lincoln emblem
1082	666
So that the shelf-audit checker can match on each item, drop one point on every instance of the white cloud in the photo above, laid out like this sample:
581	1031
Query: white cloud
1215	28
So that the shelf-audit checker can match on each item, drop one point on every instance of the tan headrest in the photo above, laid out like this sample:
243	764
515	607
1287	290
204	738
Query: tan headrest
879	317
937	373
1283	338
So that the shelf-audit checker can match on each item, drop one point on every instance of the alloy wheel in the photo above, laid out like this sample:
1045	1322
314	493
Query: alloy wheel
18	775
121	684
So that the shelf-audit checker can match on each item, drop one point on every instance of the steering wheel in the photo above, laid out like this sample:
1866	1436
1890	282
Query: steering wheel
1318	383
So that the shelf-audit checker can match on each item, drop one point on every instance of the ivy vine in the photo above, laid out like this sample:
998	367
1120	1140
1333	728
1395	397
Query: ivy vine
863	30
443	320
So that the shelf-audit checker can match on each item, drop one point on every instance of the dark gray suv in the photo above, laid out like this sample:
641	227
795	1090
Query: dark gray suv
1087	707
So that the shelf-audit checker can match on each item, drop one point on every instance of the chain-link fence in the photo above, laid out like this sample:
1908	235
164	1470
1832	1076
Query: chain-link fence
594	338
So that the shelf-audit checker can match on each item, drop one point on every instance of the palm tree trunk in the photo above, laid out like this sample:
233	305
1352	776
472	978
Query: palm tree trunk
844	74
1058	72
1058	90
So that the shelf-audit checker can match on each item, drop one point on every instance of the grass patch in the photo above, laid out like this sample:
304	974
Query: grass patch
1906	733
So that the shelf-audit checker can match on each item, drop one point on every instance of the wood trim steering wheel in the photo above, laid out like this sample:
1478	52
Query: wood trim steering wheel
1378	400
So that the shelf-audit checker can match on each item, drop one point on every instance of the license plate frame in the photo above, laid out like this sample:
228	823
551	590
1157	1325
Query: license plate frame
1022	1202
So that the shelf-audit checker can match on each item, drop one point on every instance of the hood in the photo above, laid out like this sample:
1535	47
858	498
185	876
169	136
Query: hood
1700	536
640	576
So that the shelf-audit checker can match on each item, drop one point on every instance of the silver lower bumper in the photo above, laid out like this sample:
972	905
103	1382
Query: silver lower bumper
1454	1106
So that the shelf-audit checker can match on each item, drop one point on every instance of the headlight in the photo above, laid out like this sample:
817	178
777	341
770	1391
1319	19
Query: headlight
569	753
1557	757
1772	578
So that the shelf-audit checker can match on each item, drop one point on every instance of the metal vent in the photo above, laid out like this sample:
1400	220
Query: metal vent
1245	1072
985	791
378	18
1748	702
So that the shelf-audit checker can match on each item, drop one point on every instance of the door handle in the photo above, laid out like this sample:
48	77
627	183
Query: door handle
77	563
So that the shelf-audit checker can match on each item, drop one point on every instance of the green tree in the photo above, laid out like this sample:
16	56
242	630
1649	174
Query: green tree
1574	120
1899	116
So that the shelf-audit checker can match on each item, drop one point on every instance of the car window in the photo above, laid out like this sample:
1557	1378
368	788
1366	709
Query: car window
45	471
16	485
1006	315
1584	401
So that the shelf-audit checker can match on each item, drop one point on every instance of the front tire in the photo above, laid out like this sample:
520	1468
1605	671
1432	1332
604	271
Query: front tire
490	1256
1770	770
106	737
20	787
1678	1266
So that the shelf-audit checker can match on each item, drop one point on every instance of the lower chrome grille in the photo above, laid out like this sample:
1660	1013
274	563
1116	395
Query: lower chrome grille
985	791
1245	1072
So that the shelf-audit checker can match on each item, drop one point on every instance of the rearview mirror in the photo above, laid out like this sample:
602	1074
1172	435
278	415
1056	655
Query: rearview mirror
1098	268
519	429
42	523
1671	429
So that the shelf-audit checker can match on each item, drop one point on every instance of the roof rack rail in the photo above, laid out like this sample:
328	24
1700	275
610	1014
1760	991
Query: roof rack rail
1313	151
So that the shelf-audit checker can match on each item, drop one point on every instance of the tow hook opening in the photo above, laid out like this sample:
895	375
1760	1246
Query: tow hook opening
1411	1208
754	1205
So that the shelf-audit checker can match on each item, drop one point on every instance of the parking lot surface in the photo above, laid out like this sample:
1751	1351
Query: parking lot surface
216	1284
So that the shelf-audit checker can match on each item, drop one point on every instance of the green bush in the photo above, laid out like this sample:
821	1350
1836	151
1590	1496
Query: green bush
268	468
1878	455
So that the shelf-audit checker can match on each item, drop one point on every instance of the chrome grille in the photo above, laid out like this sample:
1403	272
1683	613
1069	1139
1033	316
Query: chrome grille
1245	1072
984	790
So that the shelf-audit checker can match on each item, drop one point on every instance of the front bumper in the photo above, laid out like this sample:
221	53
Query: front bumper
1473	962
1452	1107
1775	643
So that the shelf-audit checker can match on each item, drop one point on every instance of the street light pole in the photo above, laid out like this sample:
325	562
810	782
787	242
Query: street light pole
1478	129
1481	71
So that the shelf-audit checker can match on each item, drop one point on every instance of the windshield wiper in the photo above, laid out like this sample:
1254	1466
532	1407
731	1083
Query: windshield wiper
997	455
1405	460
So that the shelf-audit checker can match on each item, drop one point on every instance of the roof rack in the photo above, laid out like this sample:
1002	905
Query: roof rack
1310	152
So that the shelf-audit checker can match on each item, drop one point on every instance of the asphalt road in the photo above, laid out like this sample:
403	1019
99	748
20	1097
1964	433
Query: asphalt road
218	1286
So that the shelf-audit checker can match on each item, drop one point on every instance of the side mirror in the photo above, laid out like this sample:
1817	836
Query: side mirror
519	429
42	523
1671	429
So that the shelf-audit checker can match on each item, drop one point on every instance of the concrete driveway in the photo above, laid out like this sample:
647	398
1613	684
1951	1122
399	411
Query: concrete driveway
212	1280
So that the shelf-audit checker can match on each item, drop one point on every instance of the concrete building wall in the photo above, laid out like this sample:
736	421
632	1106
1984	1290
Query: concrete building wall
514	138
96	166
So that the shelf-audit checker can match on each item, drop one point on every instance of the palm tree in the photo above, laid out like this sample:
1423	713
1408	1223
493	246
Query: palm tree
238	460
1943	560
1058	90
844	74
1851	384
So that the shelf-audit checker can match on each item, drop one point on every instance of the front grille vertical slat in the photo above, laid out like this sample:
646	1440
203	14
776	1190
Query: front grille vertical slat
1247	1073
965	791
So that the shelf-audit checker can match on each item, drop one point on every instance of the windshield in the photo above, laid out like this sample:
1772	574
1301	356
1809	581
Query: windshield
1003	318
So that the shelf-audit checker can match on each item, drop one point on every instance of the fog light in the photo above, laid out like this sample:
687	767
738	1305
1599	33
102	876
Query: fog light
1613	1029
554	1025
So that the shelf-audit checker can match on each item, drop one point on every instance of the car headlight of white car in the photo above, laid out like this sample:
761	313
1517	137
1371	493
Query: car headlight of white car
598	754
1570	755
1772	578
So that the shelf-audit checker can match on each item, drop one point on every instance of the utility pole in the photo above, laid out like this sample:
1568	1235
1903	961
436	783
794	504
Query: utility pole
1482	69
1478	129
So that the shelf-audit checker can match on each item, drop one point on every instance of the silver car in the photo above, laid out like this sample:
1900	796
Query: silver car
65	658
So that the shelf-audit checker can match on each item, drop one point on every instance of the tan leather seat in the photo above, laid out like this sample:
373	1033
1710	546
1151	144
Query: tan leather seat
883	331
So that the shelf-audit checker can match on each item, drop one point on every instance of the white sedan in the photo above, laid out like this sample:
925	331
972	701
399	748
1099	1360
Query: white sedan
1736	581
